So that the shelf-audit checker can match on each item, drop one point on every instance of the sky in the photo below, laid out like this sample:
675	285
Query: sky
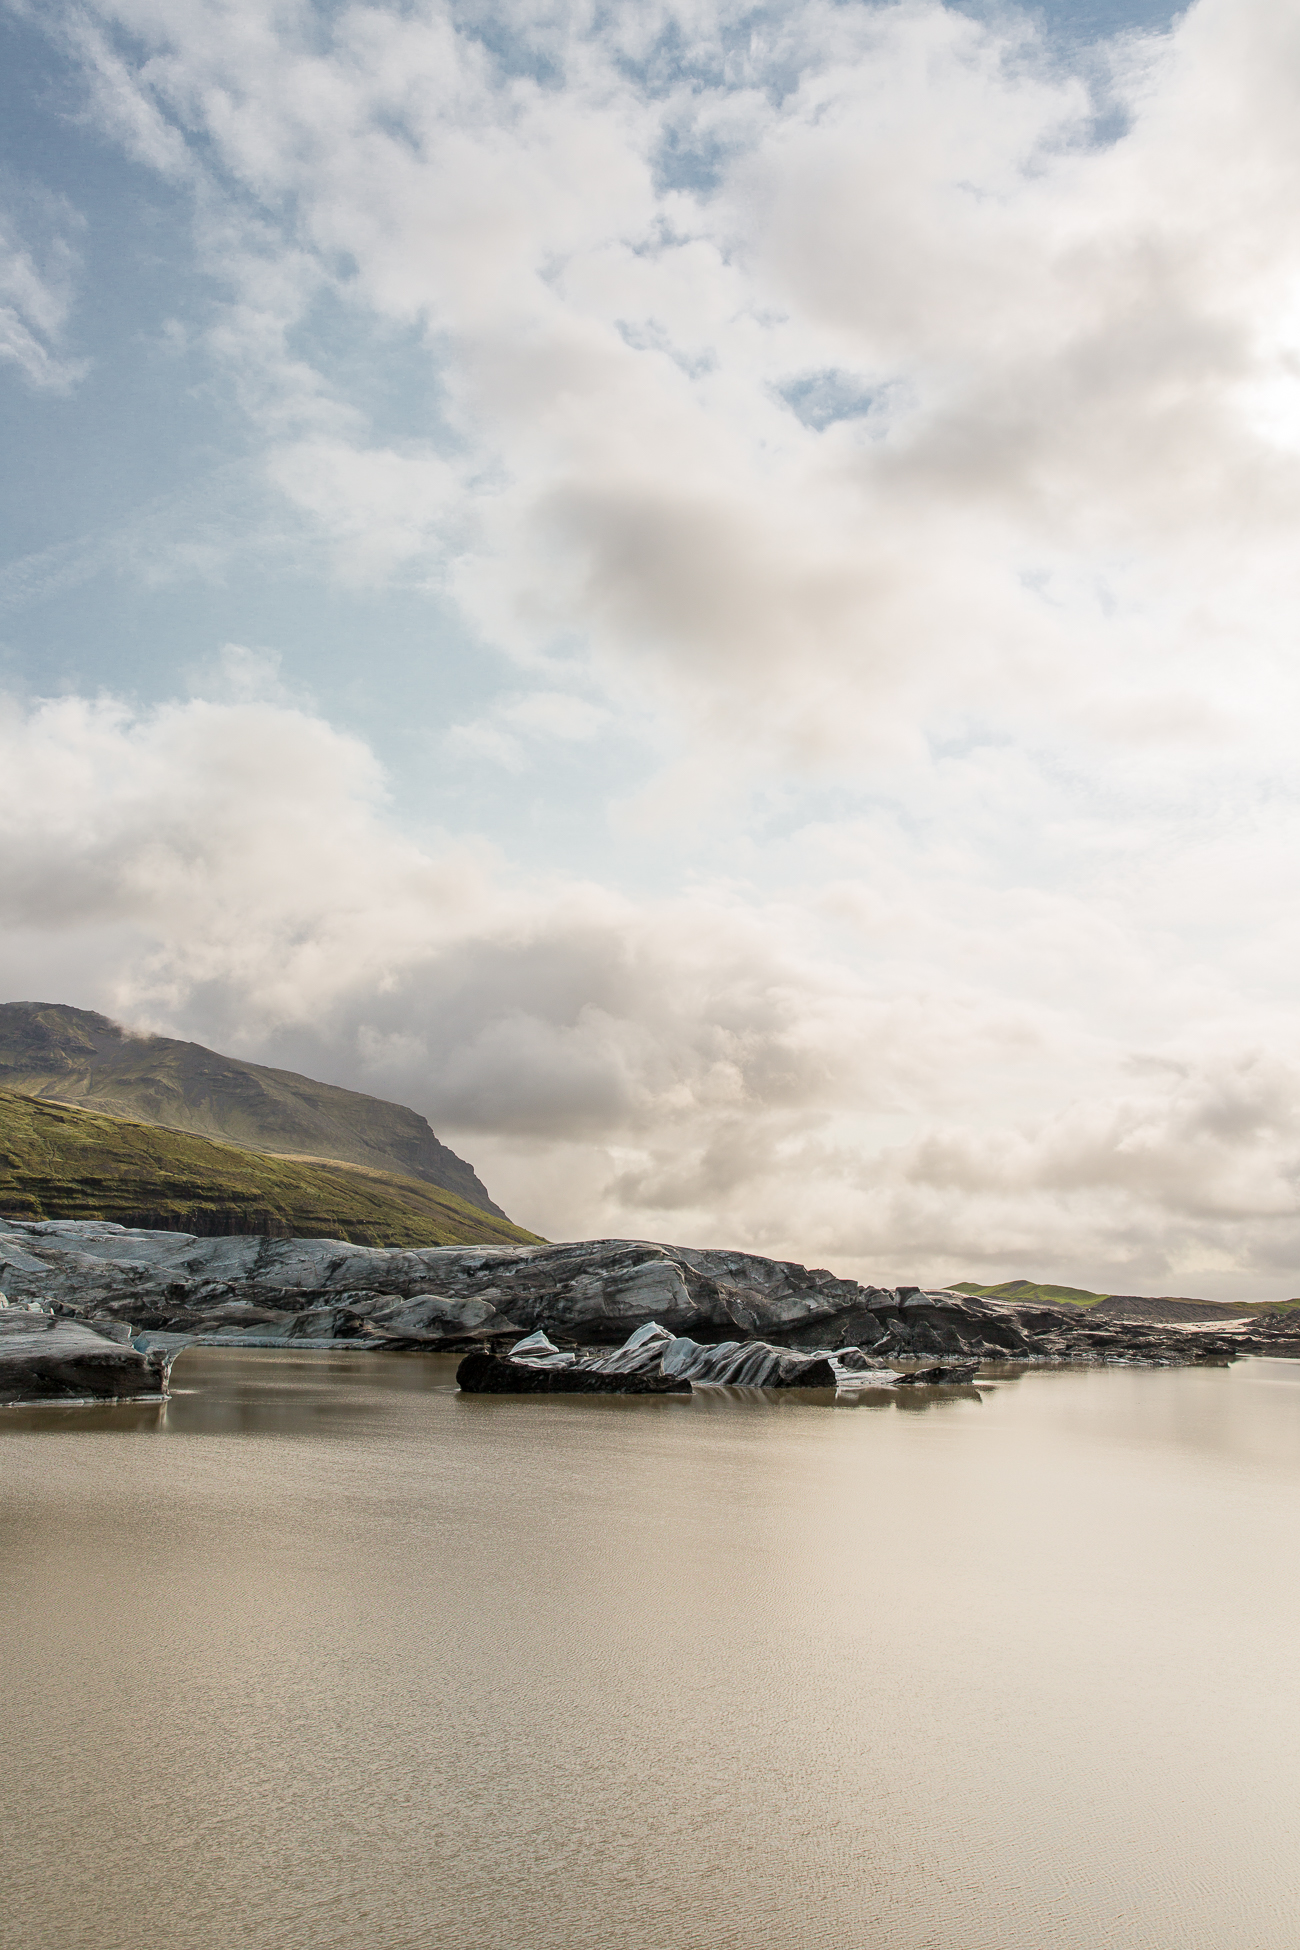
706	593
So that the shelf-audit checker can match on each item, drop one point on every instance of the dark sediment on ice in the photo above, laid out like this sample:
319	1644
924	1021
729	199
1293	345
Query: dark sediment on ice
481	1373
45	1358
653	1351
591	1294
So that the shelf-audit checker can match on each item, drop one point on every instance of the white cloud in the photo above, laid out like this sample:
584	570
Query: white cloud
529	724
381	509
973	1079
36	296
556	715
1080	355
239	674
915	452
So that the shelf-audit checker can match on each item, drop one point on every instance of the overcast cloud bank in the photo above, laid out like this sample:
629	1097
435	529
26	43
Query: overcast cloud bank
888	425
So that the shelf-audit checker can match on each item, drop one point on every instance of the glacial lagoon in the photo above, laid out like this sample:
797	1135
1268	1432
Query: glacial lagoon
321	1655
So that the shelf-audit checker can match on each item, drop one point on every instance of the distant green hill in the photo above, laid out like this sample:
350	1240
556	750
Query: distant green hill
74	1056
1030	1291
59	1162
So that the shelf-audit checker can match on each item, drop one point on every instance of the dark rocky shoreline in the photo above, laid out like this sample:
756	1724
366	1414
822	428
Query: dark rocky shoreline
168	1289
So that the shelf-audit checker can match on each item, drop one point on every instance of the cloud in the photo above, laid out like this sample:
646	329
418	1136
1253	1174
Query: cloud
529	723
1002	1080
910	400
891	419
382	509
36	297
240	674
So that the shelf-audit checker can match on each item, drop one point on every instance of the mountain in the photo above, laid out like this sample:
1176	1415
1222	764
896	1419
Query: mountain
74	1056
1122	1306
60	1162
1025	1291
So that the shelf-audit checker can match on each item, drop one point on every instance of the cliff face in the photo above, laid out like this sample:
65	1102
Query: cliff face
75	1056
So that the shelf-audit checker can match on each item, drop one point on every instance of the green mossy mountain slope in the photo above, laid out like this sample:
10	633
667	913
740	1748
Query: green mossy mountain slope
1029	1291
48	1049
62	1162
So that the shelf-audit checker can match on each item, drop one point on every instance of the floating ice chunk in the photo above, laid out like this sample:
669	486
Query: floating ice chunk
652	1331
536	1351
641	1353
533	1344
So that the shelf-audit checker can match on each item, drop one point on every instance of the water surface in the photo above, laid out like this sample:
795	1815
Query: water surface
323	1656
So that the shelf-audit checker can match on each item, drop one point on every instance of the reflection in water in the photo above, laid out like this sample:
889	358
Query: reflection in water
338	1658
217	1391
